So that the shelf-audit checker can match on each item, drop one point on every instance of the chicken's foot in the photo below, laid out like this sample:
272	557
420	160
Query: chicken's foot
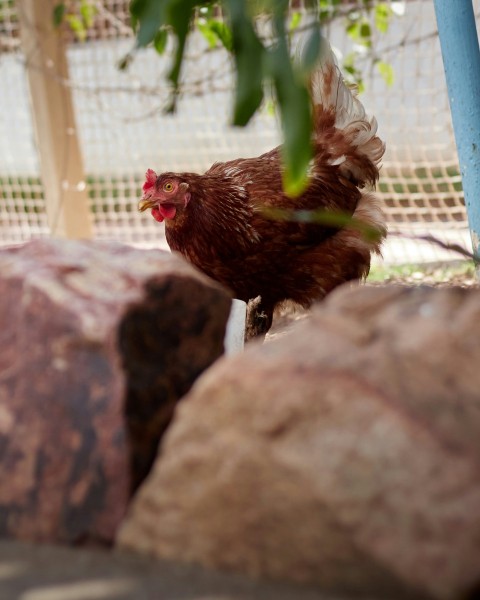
259	319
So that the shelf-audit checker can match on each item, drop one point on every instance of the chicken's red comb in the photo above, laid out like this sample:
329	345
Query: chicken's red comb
150	179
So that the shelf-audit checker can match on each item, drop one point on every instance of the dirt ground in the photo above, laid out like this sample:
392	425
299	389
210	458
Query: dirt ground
458	273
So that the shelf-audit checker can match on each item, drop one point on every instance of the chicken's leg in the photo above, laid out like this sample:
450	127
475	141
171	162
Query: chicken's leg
259	319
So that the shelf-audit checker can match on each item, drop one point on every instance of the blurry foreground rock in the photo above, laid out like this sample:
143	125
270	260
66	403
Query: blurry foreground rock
345	454
78	432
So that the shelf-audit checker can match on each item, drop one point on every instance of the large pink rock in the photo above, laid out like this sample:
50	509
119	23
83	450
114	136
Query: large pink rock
345	454
99	342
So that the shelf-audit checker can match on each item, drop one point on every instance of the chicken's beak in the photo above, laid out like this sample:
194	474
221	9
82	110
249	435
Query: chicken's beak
146	203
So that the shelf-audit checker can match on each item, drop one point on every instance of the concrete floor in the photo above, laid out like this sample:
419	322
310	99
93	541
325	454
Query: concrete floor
29	572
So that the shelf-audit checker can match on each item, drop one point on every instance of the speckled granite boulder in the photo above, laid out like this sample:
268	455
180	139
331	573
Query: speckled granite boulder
98	343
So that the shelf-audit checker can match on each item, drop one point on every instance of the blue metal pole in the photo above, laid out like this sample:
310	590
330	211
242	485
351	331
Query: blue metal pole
461	60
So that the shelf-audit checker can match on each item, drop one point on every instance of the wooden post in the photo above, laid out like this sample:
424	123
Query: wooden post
54	121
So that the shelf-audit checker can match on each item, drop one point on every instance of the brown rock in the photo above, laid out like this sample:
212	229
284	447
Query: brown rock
346	453
77	432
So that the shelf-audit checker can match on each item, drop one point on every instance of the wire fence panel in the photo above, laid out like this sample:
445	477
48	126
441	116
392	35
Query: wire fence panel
22	205
123	131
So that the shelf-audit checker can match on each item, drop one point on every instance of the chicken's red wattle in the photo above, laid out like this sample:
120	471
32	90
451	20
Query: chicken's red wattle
156	214
164	211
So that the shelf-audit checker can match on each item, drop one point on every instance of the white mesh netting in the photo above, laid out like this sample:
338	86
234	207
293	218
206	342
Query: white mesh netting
122	130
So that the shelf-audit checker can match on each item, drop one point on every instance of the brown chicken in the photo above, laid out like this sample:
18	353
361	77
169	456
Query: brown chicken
219	223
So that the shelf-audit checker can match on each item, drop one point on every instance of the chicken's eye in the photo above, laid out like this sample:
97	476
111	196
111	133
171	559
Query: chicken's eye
168	187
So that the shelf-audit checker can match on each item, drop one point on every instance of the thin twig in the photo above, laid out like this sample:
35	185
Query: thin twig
431	239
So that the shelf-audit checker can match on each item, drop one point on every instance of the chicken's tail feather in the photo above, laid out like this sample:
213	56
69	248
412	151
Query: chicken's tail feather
342	125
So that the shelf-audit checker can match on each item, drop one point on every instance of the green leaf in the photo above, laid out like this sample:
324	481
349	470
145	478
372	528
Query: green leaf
270	108
137	7
353	30
77	27
151	16
329	9
58	14
88	12
325	217
360	32
386	71
160	41
383	15
365	30
208	34
179	17
349	67
295	21
295	114
311	51
215	31
249	55
223	33
296	150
